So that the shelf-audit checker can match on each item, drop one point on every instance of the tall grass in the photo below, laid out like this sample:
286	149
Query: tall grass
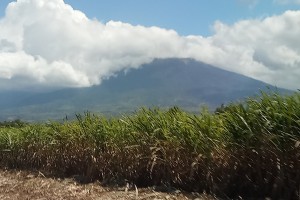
250	150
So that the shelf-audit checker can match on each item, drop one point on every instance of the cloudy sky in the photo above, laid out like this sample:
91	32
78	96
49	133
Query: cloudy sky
78	43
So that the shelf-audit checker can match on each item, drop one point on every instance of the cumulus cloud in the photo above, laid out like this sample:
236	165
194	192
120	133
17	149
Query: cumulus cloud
265	49
46	43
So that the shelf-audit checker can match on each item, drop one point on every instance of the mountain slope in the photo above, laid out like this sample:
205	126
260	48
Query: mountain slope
164	82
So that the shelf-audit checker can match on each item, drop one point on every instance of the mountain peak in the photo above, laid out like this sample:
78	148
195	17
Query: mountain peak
164	82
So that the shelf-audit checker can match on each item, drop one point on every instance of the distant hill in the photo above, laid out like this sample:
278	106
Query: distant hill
164	82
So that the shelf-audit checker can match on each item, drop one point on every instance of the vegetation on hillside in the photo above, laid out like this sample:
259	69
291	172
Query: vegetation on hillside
250	149
15	123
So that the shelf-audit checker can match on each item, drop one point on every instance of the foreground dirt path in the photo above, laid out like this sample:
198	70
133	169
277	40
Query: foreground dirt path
19	185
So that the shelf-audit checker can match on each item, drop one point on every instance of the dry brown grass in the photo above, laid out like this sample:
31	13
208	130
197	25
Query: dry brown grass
19	185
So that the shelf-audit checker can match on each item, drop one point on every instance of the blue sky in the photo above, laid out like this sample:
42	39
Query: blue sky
192	17
78	43
186	17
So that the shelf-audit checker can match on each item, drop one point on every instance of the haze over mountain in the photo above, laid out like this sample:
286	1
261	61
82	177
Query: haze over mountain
170	82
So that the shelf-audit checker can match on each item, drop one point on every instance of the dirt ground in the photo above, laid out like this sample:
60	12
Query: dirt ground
19	185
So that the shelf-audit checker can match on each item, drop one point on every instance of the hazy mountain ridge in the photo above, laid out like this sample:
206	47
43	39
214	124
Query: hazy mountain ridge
164	82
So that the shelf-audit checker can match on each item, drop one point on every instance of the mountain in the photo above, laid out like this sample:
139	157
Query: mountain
164	82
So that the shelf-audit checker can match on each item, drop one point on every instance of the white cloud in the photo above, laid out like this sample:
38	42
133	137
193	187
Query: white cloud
46	43
265	49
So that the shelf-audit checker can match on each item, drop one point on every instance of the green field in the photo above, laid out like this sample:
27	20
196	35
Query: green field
251	149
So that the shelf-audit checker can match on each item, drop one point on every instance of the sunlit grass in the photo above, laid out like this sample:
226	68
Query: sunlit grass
250	149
